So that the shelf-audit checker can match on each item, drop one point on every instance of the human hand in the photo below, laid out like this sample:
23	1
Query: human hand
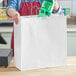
14	14
15	17
56	7
5	0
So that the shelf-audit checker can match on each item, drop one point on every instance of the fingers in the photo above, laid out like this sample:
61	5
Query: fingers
56	7
16	18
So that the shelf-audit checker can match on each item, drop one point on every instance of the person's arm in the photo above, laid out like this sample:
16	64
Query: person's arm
12	10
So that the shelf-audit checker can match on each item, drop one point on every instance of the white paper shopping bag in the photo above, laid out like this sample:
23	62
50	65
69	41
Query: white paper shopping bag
40	42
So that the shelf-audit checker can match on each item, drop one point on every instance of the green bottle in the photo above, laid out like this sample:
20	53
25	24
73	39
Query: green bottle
46	8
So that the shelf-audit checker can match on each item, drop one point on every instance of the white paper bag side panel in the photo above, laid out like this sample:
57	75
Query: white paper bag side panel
43	42
17	44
